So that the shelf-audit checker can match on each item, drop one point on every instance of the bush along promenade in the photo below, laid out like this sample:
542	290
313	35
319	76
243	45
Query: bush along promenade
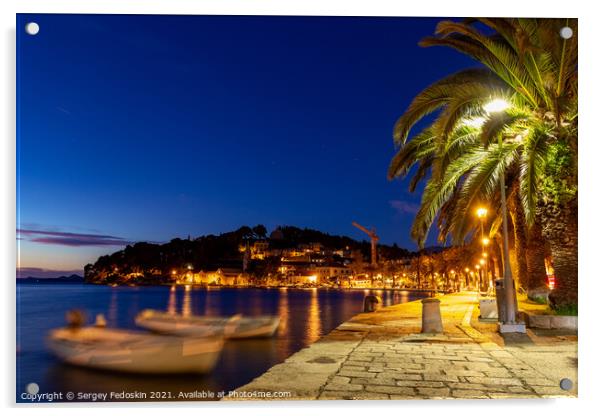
385	355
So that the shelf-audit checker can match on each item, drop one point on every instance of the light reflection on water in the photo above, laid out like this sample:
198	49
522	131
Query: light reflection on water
171	304
187	302
306	315
314	326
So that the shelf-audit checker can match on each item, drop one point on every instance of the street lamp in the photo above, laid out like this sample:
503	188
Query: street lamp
496	105
508	322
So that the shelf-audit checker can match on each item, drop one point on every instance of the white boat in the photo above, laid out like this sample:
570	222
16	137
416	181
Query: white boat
134	351
233	327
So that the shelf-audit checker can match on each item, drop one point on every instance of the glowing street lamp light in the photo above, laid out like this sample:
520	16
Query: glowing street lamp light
486	241
496	105
481	212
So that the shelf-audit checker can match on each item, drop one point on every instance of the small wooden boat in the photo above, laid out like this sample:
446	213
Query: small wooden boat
134	351
233	327
255	327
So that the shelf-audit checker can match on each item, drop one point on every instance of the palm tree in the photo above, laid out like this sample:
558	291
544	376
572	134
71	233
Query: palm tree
463	156
531	67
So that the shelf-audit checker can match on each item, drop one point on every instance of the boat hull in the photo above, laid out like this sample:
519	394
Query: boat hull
235	327
130	352
264	329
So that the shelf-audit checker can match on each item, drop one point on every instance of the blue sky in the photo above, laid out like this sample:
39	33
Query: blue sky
152	127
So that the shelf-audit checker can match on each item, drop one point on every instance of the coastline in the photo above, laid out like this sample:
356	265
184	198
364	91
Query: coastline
204	286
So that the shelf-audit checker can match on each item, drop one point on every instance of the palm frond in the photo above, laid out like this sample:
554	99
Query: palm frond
439	94
481	183
531	169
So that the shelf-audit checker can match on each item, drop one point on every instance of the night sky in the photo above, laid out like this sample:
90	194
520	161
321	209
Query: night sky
148	128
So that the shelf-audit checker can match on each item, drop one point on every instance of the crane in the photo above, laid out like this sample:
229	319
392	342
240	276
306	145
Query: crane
373	239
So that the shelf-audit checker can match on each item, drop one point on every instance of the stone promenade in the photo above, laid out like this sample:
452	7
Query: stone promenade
383	355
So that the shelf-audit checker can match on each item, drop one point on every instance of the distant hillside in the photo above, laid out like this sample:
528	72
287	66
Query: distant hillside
155	263
74	278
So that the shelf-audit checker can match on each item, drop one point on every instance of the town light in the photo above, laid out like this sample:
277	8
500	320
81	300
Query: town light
481	212
486	241
496	105
173	272
477	266
312	278
484	254
482	261
466	269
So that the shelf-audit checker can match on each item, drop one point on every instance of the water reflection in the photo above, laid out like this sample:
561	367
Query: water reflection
314	326
113	311
172	306
187	302
213	302
283	312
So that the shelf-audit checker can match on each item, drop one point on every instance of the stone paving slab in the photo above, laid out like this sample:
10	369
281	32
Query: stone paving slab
383	355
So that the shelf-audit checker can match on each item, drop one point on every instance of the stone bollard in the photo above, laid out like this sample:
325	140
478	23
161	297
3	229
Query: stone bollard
431	316
371	303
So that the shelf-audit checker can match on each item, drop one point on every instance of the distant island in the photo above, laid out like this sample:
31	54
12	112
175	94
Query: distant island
250	256
74	278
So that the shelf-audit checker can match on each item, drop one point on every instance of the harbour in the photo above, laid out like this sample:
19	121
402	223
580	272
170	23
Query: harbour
305	316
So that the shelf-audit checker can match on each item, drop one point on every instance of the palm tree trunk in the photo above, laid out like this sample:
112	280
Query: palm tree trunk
499	263
536	266
418	275
495	270
559	228
520	238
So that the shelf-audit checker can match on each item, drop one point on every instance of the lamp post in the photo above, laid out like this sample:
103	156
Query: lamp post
508	322
481	214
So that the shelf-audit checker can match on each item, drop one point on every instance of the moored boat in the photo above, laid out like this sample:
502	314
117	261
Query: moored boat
233	327
134	351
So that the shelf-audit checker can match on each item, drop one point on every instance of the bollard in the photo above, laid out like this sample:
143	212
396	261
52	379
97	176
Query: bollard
431	316
371	303
500	296
101	321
